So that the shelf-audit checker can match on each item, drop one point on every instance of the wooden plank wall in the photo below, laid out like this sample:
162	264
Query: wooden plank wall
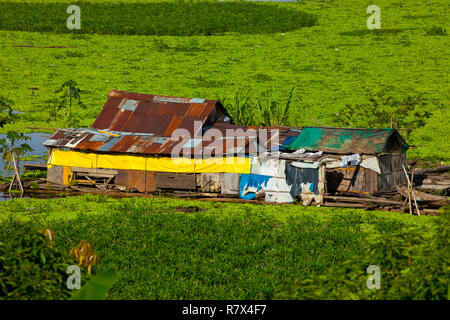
210	182
169	180
392	173
351	179
55	174
142	181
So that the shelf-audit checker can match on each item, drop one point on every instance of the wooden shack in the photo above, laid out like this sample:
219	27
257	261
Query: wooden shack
131	147
130	144
358	160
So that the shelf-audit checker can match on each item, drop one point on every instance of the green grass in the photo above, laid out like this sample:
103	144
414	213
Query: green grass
222	251
332	64
156	18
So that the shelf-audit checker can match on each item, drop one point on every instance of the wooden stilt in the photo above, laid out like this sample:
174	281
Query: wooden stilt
411	194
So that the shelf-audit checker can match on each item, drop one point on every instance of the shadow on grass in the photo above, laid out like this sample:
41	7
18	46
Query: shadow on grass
364	32
162	18
419	17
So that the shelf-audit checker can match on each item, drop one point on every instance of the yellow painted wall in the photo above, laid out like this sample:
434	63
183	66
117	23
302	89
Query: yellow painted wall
139	162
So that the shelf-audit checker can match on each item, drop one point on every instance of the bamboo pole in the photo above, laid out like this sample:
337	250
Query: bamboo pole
411	194
16	174
414	196
409	190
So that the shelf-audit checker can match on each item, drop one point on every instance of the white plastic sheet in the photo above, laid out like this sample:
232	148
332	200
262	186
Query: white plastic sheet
353	159
269	167
306	165
276	189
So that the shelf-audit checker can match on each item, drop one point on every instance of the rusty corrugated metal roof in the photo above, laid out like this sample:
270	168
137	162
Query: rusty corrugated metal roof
144	124
228	139
140	123
111	141
160	115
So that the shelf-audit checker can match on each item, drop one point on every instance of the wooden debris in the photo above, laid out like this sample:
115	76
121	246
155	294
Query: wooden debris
363	200
421	196
34	166
102	181
348	205
439	169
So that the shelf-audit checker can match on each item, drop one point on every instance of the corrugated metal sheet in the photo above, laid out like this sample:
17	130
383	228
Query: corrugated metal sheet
227	140
348	140
84	139
251	140
144	124
145	113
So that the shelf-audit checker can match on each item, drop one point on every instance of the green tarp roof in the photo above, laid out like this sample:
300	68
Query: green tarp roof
348	140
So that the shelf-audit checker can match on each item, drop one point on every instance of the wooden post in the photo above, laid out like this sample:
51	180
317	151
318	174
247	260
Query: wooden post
16	173
411	192
409	189
12	182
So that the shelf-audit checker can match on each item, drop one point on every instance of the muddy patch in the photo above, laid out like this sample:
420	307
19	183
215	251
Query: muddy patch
188	209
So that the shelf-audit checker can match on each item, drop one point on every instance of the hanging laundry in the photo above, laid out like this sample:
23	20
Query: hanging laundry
297	176
353	159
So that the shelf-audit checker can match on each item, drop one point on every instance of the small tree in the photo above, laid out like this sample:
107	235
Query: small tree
12	150
53	106
6	112
6	116
70	94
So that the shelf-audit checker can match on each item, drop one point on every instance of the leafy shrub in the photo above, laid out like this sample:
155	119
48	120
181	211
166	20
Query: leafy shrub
408	113
34	174
240	108
273	112
413	266
222	251
436	31
31	266
265	109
